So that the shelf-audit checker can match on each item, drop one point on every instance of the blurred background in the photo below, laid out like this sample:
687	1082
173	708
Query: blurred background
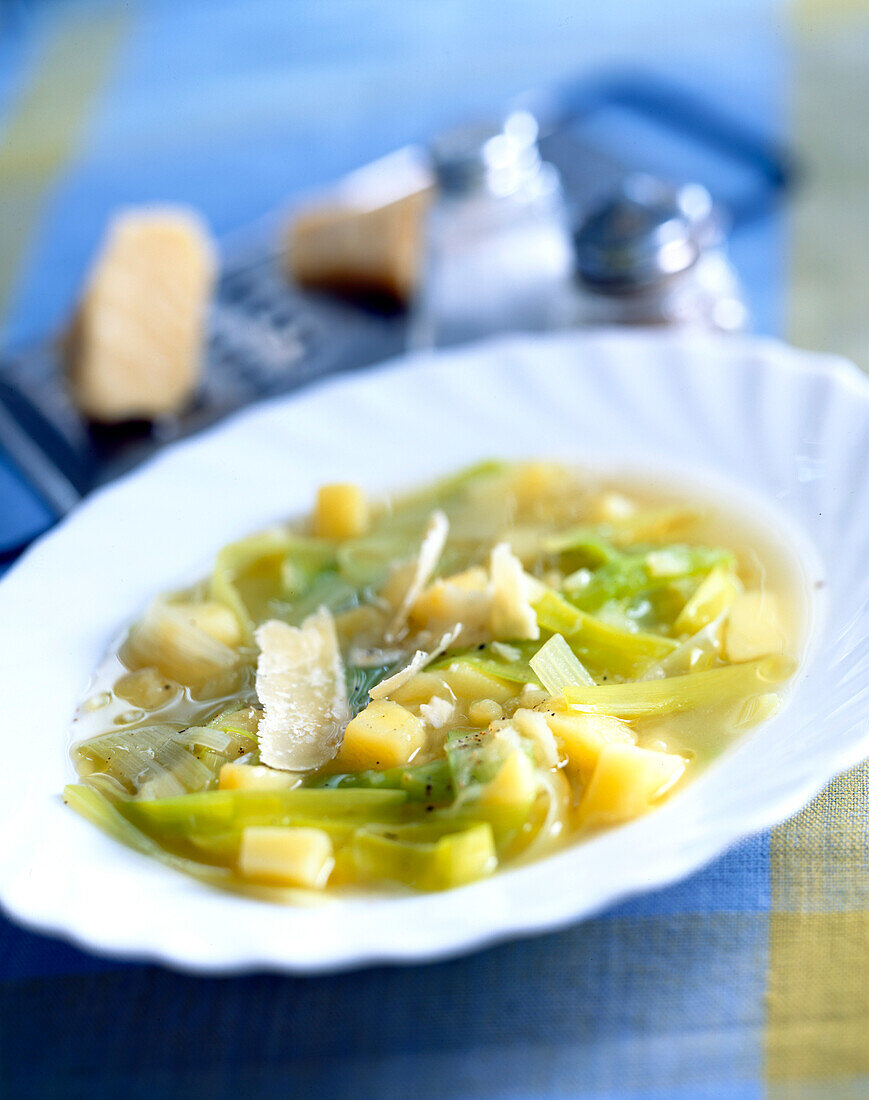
252	113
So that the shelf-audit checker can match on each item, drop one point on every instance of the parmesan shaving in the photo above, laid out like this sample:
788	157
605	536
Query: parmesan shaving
372	656
512	615
433	543
300	682
417	663
438	711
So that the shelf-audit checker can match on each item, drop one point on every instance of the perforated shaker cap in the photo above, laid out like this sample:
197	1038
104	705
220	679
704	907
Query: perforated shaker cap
647	233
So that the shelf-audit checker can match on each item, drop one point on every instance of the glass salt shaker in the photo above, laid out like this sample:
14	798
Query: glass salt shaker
498	247
654	254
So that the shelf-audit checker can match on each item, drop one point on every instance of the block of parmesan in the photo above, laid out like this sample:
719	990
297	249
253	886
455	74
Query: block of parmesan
365	238
134	350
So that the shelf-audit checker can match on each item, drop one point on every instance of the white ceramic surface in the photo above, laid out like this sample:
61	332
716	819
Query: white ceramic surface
789	427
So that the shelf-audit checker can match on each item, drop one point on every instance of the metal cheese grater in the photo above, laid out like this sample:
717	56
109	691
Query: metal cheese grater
266	337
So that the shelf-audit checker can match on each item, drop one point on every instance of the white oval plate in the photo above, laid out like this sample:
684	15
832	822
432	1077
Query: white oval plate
790	428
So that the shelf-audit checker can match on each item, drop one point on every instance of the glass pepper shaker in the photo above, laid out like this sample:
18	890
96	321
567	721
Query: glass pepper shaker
654	254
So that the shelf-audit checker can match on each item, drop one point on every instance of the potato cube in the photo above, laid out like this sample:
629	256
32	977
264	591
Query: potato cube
754	628
383	735
515	783
341	512
584	735
625	783
471	683
420	688
255	777
286	856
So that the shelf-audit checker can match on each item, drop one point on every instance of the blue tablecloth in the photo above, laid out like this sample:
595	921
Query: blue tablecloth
236	107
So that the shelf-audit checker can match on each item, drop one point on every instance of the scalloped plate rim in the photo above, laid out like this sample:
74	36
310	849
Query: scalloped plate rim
702	849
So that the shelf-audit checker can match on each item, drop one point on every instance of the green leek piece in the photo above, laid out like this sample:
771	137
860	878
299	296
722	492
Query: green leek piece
226	811
168	639
623	652
557	666
475	756
97	808
442	491
637	572
367	561
650	525
650	698
602	542
328	589
305	560
240	723
222	848
590	543
696	653
161	758
246	571
360	681
418	856
430	783
505	802
486	659
714	595
104	812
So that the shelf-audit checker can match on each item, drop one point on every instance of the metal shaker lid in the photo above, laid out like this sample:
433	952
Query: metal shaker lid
497	156
649	231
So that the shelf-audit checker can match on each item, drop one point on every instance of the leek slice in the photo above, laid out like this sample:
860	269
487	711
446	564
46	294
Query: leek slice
589	543
241	723
431	783
328	589
420	857
476	756
266	550
493	661
440	492
637	572
161	758
367	561
93	805
360	681
225	811
557	666
168	639
677	693
623	652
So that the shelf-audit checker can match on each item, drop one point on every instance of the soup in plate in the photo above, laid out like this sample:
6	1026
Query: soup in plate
410	693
